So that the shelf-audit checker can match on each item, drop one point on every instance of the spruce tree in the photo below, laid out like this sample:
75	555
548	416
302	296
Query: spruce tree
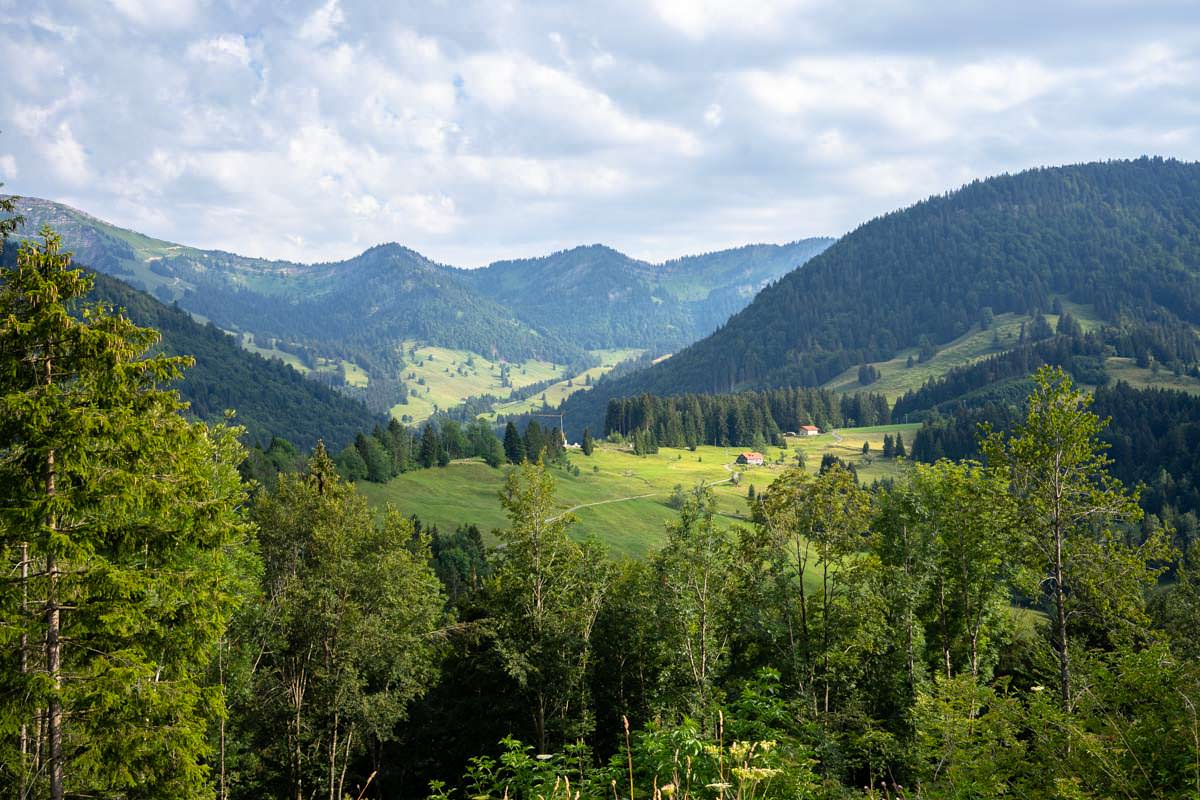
535	440
119	519
514	447
588	444
431	446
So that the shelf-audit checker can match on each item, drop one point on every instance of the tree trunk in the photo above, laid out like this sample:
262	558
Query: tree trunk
222	786
1060	606
333	748
54	717
945	627
539	721
24	734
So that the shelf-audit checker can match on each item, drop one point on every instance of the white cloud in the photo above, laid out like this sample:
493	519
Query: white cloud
65	32
560	104
322	25
228	48
714	115
157	13
699	19
8	166
66	156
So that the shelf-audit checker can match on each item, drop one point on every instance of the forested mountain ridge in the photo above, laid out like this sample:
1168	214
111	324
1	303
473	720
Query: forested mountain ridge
598	297
365	312
1122	237
270	398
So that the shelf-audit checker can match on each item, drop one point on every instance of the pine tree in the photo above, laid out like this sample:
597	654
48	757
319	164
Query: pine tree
431	446
535	440
120	519
889	448
900	451
514	446
589	444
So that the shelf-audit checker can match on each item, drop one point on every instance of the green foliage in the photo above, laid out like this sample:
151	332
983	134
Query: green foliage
344	632
1068	503
693	571
119	523
548	593
514	445
271	399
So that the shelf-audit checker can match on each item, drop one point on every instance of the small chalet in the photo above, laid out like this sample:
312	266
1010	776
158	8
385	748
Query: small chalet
810	430
750	459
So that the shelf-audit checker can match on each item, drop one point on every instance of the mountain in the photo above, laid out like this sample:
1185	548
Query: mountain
1120	239
270	398
359	309
598	297
365	314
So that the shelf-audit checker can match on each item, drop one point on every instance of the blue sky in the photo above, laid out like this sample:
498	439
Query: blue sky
473	131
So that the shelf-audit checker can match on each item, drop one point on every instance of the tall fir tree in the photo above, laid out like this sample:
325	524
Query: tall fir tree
514	445
120	519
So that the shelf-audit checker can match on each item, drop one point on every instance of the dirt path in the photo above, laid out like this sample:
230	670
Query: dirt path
573	509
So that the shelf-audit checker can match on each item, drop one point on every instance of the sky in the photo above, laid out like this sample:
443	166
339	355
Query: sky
474	131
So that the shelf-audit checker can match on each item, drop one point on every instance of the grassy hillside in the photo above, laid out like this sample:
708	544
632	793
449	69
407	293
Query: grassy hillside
896	377
556	393
439	378
620	498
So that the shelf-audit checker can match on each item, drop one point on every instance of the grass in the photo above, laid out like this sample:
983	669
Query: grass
896	377
607	495
556	393
439	378
1125	369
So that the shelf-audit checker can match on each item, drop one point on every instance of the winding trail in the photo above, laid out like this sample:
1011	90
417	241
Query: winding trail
573	509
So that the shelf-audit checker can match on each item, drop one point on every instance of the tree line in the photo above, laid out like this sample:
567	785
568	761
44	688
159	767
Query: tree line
745	419
391	450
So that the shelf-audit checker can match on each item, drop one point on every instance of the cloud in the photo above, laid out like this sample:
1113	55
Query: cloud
322	25
713	115
478	130
67	156
224	49
157	13
699	19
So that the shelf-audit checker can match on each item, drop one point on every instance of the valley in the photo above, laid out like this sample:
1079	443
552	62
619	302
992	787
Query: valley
622	499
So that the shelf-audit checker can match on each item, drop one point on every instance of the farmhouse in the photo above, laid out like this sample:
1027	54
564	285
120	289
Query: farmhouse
750	458
809	430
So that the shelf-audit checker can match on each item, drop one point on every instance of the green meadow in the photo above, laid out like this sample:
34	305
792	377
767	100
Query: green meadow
620	498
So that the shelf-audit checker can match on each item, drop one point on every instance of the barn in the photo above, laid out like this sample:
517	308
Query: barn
750	459
810	430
